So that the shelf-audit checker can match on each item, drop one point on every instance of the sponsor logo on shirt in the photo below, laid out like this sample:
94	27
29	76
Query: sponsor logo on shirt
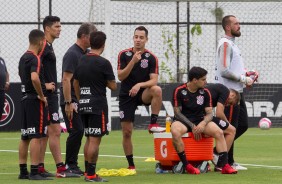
144	63
85	109
84	101
23	88
201	91
85	91
200	100
128	53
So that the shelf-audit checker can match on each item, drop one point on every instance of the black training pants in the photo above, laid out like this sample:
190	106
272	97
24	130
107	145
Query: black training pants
75	129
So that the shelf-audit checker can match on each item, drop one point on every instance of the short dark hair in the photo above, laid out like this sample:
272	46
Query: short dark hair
35	36
97	39
86	29
196	73
49	21
226	21
237	95
142	28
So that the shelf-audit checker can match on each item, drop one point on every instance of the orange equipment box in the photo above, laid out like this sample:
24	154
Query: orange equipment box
195	150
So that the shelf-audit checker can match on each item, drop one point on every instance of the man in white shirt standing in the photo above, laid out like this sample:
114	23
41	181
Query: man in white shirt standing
230	71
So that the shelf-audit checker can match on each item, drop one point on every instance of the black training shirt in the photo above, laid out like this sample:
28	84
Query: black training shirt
93	72
218	92
70	62
193	104
141	70
3	73
48	60
29	63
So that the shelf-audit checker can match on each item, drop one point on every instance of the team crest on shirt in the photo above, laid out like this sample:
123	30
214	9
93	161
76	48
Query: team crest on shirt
147	55
121	114
128	53
200	100
184	92
144	63
2	62
55	116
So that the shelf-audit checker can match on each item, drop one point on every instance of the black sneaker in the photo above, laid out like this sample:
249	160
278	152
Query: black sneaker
94	178
38	177
23	176
76	170
47	174
67	174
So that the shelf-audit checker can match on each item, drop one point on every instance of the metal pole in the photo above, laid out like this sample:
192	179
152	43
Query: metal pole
50	7
216	27
38	14
177	41
188	38
107	53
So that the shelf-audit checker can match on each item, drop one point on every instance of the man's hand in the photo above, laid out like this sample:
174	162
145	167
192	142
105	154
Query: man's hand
136	57
198	130
50	86
248	81
43	99
69	108
200	127
134	90
253	74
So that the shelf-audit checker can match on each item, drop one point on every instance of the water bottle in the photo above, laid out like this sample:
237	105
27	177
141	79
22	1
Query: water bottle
167	124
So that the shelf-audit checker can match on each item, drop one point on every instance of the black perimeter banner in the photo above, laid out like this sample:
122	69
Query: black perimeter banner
262	100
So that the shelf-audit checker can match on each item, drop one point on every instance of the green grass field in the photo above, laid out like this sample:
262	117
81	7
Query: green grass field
259	150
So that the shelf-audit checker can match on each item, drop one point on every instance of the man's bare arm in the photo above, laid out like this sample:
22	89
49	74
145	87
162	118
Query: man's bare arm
208	117
182	118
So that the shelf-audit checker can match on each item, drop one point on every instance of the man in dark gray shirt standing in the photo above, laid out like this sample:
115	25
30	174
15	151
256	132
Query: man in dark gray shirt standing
68	99
4	84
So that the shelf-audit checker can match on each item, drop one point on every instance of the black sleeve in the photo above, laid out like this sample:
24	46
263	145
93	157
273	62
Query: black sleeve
108	71
70	62
75	75
121	61
35	65
176	99
208	100
223	96
154	64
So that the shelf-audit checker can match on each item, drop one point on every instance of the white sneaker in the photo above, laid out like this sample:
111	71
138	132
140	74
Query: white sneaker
237	167
155	128
215	159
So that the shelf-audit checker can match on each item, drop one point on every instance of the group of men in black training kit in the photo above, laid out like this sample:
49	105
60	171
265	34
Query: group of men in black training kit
85	77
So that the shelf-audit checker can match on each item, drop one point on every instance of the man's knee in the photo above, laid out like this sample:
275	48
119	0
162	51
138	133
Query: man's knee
175	131
156	91
54	130
127	130
230	130
218	134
